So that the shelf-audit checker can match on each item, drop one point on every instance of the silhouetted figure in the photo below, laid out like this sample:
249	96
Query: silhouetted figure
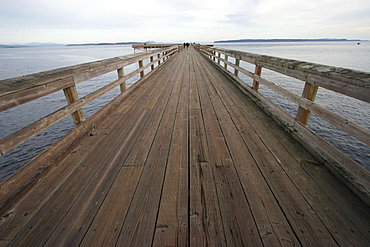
187	45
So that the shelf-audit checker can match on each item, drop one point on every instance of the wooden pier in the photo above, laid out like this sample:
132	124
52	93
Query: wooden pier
181	158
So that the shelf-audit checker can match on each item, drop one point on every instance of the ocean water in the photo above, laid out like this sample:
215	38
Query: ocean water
22	61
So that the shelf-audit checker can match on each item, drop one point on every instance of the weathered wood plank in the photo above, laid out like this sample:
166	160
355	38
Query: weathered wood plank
225	176
270	221
105	228
143	210
72	229
237	64
121	74
205	220
4	242
326	183
204	211
72	96
172	223
310	230
337	223
309	92
139	155
21	212
257	72
216	143
12	100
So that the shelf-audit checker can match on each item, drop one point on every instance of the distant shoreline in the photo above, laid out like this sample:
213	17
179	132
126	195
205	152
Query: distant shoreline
86	44
153	42
120	43
286	40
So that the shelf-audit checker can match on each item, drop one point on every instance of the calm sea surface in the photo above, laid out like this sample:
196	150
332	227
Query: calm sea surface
21	61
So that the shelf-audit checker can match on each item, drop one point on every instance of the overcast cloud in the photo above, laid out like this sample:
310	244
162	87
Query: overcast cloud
85	21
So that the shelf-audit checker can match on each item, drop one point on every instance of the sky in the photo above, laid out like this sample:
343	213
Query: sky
97	21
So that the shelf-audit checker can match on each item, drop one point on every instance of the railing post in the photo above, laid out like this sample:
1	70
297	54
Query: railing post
151	60
257	71
159	60
140	66
309	92
71	95
226	59
237	63
121	74
219	58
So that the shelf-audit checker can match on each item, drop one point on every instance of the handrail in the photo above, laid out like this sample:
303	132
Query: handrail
355	84
20	90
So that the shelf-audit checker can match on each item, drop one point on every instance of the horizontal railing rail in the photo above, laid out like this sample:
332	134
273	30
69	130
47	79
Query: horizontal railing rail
141	47
355	84
20	90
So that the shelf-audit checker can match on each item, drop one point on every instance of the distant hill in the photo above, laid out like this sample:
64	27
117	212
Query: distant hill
282	40
119	43
12	46
33	44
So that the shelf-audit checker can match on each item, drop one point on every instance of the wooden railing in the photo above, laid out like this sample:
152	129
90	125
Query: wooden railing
142	47
354	84
20	90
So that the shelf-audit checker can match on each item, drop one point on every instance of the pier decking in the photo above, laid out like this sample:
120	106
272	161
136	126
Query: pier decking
186	160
